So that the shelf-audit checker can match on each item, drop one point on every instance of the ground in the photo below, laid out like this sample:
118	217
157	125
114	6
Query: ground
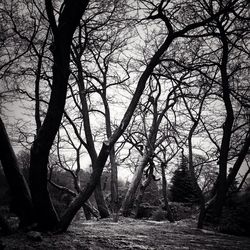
129	234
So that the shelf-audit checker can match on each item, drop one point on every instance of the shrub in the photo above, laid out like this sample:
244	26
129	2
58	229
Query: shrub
235	217
182	210
159	215
182	189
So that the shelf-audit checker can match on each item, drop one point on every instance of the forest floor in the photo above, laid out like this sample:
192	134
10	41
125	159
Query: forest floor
128	234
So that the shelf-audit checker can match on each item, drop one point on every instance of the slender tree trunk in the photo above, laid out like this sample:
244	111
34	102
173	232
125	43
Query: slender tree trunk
195	184
114	173
231	177
87	212
243	180
107	145
18	186
87	191
130	195
100	201
164	194
142	190
37	94
114	186
241	156
63	33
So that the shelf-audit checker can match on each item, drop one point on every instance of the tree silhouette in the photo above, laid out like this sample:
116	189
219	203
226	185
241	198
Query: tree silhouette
182	188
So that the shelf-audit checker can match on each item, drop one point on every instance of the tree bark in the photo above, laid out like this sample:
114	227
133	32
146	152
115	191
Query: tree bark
243	180
128	202
87	191
100	201
114	173
142	190
195	184
106	147
18	186
164	194
63	33
221	184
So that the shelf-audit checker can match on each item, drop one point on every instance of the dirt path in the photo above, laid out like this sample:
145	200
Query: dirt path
130	234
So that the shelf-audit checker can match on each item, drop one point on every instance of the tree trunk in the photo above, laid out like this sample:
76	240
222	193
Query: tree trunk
209	213
100	201
142	190
87	212
63	33
114	174
243	180
221	185
164	194
18	186
106	147
195	184
87	191
130	195
114	186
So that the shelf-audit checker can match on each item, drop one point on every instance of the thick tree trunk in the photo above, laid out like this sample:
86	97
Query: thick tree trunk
18	186
100	201
63	33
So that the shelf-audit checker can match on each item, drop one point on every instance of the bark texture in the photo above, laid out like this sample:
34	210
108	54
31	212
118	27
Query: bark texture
63	33
18	186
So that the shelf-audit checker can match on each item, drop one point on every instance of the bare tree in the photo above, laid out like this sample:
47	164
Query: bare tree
19	189
63	31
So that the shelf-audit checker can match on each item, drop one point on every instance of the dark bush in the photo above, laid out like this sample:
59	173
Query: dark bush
146	211
235	217
182	210
159	215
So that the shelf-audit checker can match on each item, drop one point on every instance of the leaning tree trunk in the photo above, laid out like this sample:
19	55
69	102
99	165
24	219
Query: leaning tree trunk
19	189
63	33
99	197
130	195
108	145
142	190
